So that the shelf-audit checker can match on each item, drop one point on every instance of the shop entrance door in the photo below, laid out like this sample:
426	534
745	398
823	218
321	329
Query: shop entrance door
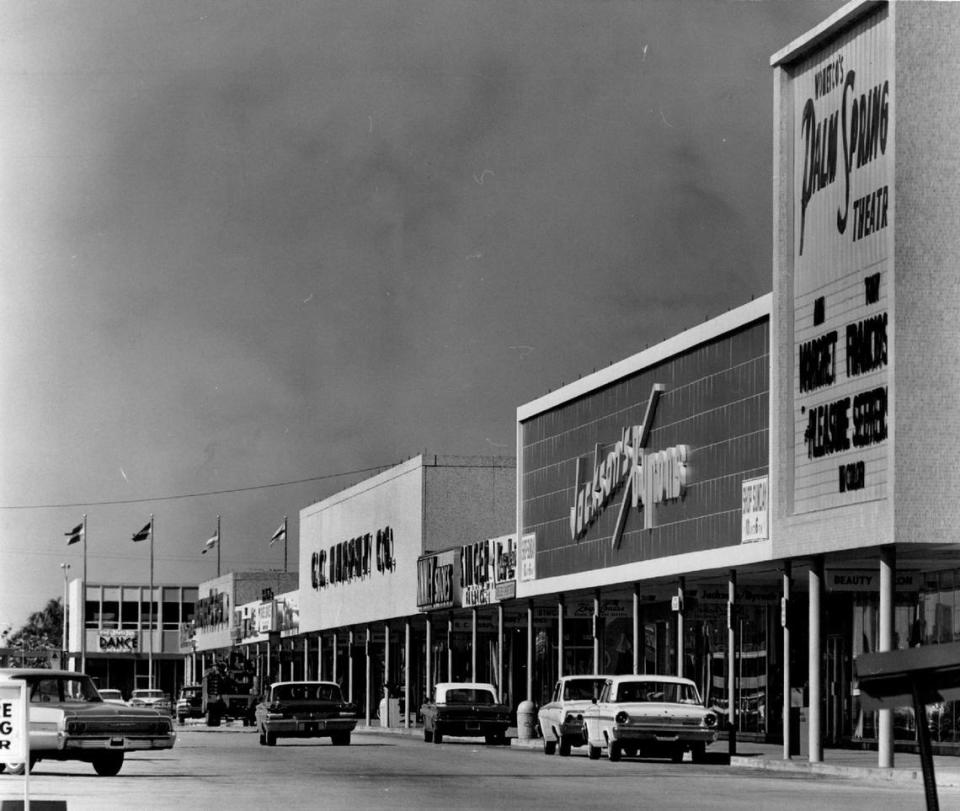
837	688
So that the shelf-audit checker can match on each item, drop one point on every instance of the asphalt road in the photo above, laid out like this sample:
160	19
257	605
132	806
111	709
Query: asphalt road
226	768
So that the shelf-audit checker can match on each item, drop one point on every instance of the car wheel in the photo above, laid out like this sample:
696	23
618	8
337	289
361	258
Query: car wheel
630	751
213	718
340	738
549	747
437	737
677	755
614	751
427	735
108	764
593	752
699	752
271	739
564	747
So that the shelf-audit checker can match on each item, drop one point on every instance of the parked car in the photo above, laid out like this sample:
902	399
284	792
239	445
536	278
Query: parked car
469	709
69	720
111	696
561	719
190	702
305	709
153	699
650	715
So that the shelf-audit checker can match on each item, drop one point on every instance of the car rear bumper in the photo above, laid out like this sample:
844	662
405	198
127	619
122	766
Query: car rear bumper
471	729
125	743
307	727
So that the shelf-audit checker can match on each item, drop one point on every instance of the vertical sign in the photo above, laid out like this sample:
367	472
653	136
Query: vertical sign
753	513
843	189
528	557
14	745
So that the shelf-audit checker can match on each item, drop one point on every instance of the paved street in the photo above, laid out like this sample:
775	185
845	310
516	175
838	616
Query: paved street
227	768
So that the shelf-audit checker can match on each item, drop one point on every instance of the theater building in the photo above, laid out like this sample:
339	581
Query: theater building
866	363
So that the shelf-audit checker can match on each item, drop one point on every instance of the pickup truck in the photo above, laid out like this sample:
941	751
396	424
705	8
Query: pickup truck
561	719
467	709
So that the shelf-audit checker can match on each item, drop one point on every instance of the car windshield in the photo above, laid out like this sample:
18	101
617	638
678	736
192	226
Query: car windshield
663	691
148	694
306	692
469	696
582	689
59	689
110	694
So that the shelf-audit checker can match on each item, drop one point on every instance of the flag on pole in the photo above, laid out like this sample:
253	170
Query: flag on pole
280	534
211	542
75	535
144	533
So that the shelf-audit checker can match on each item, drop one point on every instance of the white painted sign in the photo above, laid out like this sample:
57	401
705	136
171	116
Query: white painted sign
14	745
753	513
528	557
843	196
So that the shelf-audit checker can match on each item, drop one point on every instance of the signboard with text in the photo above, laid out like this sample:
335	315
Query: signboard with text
14	745
843	209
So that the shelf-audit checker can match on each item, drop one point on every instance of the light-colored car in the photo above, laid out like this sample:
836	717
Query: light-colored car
561	719
69	720
650	715
305	709
468	709
152	699
111	696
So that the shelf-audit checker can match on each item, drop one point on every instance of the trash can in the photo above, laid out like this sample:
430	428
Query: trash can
526	721
794	748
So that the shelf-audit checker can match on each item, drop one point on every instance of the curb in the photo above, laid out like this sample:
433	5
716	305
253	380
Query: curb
945	779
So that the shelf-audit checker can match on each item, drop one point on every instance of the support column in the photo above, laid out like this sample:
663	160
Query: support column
367	686
636	629
406	674
349	664
560	609
306	658
450	647
785	658
596	631
386	670
500	652
473	644
530	650
336	645
732	661
429	646
320	657
814	669
680	649
888	570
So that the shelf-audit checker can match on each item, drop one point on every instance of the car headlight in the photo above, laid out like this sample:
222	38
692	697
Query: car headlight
622	717
709	720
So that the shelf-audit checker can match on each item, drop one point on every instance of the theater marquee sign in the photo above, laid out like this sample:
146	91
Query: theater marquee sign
843	201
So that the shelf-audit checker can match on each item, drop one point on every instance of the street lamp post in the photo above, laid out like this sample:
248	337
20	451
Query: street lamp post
63	655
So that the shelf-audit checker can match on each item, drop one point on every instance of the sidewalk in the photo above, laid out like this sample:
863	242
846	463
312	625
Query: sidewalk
845	763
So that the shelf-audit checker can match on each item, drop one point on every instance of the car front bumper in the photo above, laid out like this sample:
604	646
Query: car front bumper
662	735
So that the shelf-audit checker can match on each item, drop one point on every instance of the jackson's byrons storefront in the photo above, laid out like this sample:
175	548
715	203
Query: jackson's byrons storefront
752	503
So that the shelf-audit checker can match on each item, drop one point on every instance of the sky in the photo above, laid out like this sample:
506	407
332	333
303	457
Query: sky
253	252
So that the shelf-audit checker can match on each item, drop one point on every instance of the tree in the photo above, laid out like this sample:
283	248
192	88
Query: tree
43	632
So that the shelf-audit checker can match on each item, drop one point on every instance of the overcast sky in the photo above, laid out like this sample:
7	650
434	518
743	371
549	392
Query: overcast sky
252	243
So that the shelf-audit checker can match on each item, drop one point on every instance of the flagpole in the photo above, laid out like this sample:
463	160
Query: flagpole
219	542
83	603
284	544
150	622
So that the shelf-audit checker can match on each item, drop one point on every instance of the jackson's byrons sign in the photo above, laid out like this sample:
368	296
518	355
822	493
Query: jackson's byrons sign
646	478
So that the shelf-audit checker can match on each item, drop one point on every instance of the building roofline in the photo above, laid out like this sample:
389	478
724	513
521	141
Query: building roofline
812	39
700	334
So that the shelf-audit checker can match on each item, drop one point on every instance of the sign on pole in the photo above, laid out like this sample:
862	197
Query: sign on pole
13	722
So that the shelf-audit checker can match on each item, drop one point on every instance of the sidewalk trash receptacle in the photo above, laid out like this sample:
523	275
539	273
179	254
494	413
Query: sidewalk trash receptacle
526	721
794	732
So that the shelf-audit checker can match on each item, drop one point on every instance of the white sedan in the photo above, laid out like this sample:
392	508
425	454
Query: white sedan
650	715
